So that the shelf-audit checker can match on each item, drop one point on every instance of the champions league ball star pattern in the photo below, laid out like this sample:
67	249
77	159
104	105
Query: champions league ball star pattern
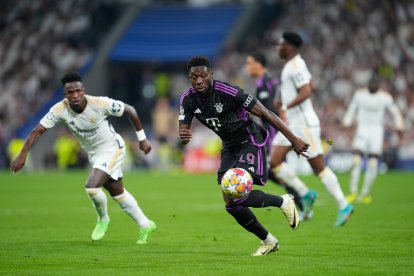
236	183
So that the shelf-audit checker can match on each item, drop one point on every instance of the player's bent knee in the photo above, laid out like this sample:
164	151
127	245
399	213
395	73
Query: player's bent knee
92	192
373	162
283	171
233	209
357	160
328	173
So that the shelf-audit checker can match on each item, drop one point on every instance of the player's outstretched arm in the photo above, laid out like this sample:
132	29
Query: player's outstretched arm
185	133
18	163
133	117
299	146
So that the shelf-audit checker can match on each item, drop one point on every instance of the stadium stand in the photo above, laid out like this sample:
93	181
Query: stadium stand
38	41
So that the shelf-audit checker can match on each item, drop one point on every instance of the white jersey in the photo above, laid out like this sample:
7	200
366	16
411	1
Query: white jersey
369	110
91	127
295	74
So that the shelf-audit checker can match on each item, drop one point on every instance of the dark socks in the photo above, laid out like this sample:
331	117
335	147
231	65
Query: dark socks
259	199
245	217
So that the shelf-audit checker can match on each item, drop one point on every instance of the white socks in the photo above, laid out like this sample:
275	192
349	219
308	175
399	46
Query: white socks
270	239
355	173
370	175
130	206
331	183
284	172
99	201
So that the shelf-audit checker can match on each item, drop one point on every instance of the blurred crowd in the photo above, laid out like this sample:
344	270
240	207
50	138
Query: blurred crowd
345	41
38	41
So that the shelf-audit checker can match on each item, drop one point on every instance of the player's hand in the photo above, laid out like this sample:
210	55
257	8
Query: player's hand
145	146
18	163
300	147
185	135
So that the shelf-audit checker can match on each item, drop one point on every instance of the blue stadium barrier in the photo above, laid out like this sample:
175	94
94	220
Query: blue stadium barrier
175	34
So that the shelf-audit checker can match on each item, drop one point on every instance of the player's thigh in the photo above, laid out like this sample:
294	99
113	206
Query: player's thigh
114	187
228	161
280	147
96	179
361	141
253	159
376	141
312	136
278	155
110	161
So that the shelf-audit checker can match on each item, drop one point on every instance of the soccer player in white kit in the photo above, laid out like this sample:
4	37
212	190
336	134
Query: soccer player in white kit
368	107
296	89
86	116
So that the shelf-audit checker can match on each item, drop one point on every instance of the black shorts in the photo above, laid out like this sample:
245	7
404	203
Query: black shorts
248	157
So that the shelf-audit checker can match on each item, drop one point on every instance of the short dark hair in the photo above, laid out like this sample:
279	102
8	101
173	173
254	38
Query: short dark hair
293	39
259	57
198	61
70	77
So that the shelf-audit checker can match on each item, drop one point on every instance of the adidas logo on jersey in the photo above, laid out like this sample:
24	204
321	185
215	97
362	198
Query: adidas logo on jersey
197	111
252	169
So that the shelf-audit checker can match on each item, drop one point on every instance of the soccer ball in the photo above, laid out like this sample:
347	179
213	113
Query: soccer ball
236	183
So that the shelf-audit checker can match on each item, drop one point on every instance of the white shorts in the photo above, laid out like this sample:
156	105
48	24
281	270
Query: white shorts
369	140
109	161
311	135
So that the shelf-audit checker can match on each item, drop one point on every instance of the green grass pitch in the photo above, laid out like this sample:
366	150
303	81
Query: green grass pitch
46	220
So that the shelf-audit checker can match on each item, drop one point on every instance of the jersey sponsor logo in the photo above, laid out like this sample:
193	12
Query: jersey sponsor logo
214	123
116	107
83	133
219	107
248	101
198	111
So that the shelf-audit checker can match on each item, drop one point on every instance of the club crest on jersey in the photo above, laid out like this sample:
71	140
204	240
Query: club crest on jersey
181	110
92	120
219	107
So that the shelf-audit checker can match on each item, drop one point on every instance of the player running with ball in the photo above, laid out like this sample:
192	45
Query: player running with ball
225	109
86	116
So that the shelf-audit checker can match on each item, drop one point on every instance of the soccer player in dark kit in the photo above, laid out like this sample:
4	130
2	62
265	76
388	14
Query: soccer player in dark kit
267	93
225	109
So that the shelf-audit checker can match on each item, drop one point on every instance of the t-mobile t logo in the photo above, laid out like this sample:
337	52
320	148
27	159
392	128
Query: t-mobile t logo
214	123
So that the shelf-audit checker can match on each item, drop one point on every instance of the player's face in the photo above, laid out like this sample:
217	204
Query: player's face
283	48
201	78
75	93
373	86
252	66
